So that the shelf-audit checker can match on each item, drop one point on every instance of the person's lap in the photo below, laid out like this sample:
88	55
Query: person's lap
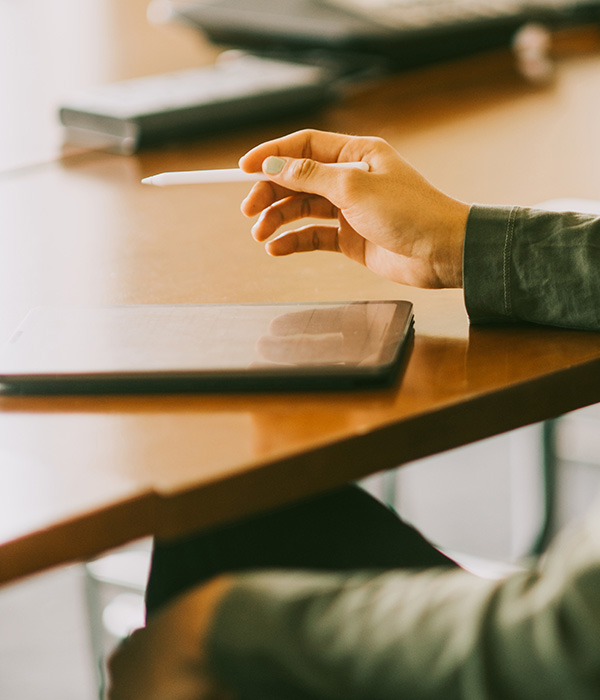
341	530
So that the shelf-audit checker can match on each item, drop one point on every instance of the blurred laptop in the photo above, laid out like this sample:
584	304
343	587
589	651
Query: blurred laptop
404	33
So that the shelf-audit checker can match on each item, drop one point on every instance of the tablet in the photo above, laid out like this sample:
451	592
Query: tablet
206	347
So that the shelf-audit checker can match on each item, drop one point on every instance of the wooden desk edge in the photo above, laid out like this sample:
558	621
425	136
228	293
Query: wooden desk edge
78	539
450	426
281	481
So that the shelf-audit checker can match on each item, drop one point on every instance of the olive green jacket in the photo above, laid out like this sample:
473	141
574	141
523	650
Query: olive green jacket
444	634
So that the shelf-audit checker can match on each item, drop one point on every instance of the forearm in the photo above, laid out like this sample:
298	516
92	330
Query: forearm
303	636
435	634
532	265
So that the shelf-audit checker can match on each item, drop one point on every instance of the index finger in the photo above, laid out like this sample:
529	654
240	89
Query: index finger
262	195
322	146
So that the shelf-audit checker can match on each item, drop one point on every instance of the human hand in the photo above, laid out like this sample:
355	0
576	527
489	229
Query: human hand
166	659
390	219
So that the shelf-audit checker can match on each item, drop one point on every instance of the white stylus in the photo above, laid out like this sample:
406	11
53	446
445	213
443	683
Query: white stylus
195	177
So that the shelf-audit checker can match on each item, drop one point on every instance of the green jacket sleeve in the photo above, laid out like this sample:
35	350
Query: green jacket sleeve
437	633
532	265
434	634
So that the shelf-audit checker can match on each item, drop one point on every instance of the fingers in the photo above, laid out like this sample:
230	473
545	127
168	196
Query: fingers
291	209
323	146
304	240
308	161
304	188
305	162
340	185
262	195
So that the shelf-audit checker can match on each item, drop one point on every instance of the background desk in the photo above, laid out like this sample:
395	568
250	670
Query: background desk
79	475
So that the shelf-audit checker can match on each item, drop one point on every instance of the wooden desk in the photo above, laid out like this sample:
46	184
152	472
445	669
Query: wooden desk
82	474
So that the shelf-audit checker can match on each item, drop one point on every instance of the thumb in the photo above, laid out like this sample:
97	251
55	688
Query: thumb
307	175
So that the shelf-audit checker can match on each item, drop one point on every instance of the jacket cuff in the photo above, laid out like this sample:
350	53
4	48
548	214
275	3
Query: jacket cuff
486	263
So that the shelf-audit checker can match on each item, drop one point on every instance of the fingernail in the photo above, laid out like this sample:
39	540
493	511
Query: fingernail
273	165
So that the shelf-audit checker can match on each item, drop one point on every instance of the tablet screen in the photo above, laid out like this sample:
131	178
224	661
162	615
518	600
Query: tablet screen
206	346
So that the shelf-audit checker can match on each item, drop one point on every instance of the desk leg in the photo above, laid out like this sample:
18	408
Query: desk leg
549	473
